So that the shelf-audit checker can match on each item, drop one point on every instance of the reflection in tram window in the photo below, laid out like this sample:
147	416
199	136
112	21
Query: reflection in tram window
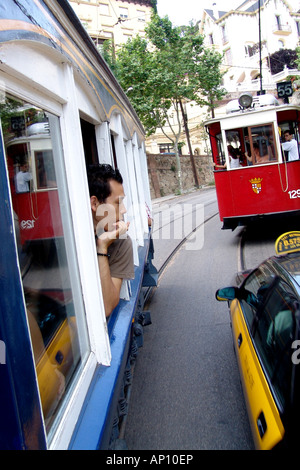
262	140
45	173
255	144
56	322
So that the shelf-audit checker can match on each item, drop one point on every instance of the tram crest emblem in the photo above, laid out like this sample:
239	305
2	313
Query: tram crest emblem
256	185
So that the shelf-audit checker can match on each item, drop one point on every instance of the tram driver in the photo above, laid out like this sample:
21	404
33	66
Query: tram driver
291	146
23	177
114	246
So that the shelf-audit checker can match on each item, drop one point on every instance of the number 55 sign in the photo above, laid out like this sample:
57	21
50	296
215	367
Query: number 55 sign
284	90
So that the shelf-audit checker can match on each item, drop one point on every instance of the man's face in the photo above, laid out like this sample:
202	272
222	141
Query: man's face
24	167
288	136
113	209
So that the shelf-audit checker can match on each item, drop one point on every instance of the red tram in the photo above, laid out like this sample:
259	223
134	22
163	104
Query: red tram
255	176
36	205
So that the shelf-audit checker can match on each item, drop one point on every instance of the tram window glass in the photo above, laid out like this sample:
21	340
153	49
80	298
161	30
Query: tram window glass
221	154
260	144
45	250
233	138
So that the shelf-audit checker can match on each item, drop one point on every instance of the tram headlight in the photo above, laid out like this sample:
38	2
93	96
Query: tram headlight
245	100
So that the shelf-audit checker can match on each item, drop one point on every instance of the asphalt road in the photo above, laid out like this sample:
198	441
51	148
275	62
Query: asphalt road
186	391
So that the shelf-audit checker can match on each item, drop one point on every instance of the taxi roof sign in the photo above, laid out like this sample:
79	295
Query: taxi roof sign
287	243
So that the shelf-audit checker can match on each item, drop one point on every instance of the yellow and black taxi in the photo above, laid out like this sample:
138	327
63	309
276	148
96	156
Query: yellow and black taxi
265	319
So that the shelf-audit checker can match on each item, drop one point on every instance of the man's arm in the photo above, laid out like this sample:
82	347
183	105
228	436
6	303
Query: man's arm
111	286
287	146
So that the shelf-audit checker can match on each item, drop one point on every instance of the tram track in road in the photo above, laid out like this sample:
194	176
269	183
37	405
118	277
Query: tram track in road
148	294
179	217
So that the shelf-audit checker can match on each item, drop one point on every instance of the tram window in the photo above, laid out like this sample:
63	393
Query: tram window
233	142
45	250
260	144
221	154
89	142
233	138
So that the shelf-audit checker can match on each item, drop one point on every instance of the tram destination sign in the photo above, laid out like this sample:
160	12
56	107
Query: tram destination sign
285	90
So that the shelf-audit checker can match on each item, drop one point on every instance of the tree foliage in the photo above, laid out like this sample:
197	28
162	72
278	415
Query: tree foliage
298	57
281	58
168	65
166	68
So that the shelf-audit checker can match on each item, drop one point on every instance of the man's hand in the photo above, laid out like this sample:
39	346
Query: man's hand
107	238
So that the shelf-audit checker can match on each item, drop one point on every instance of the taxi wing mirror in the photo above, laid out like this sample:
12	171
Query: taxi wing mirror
227	293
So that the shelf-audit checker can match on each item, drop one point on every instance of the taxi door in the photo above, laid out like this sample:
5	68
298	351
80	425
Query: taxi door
264	417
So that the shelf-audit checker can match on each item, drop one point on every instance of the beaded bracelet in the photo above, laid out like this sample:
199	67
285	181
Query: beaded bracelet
103	254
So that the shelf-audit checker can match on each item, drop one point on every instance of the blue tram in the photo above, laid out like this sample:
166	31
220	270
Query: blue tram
65	369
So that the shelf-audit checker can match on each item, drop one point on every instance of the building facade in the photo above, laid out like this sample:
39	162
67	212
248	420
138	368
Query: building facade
279	22
117	20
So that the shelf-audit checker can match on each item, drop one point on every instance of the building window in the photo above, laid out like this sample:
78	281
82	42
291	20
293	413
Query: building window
168	148
278	22
104	9
141	15
211	39
228	57
224	35
123	12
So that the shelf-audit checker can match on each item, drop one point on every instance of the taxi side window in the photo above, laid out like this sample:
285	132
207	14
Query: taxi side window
273	337
253	291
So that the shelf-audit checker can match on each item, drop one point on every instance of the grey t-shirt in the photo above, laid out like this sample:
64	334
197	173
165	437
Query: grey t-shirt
121	258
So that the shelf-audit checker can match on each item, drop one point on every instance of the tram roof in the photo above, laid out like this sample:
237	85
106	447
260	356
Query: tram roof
246	114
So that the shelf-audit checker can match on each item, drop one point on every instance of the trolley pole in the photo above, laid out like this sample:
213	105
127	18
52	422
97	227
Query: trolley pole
259	41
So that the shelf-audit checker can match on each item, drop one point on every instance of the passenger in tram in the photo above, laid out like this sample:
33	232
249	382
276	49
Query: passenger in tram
291	146
114	246
22	178
256	158
234	158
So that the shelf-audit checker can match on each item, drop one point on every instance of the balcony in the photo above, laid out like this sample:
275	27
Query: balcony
282	29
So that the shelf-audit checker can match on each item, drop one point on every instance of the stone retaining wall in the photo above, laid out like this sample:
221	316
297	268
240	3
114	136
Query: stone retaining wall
163	178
